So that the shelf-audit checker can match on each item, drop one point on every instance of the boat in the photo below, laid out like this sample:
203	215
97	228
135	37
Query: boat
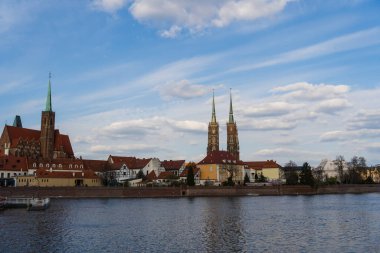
36	204
25	202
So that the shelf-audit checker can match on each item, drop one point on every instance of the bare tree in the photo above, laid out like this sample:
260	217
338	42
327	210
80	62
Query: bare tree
339	166
319	172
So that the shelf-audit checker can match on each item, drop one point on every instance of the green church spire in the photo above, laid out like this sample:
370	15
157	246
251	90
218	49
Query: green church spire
213	117
231	118
48	107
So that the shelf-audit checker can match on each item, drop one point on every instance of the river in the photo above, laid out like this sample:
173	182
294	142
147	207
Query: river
322	223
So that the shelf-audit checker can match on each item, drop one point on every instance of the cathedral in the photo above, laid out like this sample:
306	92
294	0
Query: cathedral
232	133
47	143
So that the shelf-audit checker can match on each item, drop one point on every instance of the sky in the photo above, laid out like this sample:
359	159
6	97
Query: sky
135	77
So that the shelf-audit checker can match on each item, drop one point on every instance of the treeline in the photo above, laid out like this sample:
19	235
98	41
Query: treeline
354	171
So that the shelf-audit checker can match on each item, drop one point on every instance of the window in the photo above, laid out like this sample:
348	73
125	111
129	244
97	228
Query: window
8	175
47	165
70	166
34	165
2	174
81	166
60	165
41	165
76	166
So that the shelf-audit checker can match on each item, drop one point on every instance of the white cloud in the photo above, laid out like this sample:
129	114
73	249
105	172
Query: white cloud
373	147
290	154
271	109
172	32
247	10
110	6
188	126
365	120
195	16
183	89
138	128
267	125
347	135
308	91
122	149
331	106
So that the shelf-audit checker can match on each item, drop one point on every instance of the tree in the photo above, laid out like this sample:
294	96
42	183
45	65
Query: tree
190	173
290	172
319	172
232	171
140	174
356	166
306	176
339	166
246	178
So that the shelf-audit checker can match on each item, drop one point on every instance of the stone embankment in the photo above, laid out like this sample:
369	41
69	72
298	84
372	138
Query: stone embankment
142	192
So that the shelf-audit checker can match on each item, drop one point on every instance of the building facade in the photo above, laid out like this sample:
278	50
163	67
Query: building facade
46	143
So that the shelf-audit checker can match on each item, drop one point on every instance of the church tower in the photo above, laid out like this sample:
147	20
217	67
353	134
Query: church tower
232	133
213	131
47	128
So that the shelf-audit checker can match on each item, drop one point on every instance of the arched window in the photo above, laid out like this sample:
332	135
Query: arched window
60	165
70	166
47	165
41	165
34	165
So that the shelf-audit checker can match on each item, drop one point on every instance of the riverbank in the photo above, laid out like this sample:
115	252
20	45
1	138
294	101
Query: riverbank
119	192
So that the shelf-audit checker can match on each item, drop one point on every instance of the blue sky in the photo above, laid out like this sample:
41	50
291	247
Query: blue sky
135	77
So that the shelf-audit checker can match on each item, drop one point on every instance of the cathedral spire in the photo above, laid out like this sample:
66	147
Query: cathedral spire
231	118
213	116
48	107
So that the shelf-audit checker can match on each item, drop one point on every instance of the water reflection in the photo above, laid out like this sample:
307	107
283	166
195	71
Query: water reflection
341	223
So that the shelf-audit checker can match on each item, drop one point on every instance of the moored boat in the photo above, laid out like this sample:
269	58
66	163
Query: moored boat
36	204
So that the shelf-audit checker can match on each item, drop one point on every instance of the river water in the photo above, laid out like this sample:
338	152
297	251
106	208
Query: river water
324	223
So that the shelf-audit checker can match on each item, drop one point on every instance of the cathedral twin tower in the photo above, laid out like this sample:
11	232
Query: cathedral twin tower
232	133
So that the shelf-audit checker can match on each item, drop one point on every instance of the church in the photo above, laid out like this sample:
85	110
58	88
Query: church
46	143
219	165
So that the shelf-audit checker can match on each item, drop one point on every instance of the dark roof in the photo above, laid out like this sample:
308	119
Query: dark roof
172	165
184	172
258	165
132	163
221	157
166	175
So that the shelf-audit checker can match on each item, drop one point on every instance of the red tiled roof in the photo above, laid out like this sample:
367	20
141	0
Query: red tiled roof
172	165
151	176
221	157
88	174
166	175
258	165
184	172
13	163
132	163
17	133
62	140
96	165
